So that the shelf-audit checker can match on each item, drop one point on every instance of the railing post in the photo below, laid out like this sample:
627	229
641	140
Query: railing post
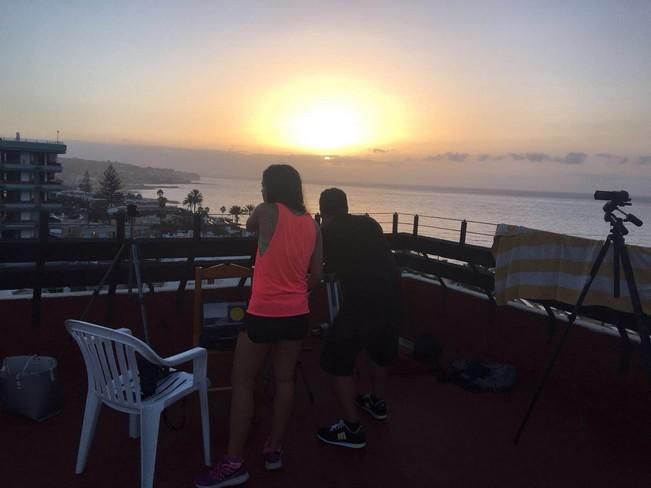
416	225
196	235
462	235
196	226
394	227
43	235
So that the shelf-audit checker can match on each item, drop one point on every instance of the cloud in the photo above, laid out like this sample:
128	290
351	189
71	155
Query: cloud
516	156
572	158
534	157
448	156
537	157
377	150
612	157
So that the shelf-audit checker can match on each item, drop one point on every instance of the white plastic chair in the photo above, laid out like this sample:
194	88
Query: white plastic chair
114	380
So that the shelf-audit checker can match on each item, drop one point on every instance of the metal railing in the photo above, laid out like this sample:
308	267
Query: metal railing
38	141
47	262
460	230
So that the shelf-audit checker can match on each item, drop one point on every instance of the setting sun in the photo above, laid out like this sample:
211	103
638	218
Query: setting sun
327	115
327	127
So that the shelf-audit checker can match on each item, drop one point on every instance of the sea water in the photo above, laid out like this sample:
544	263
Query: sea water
441	210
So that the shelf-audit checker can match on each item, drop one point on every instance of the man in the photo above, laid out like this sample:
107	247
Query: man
356	251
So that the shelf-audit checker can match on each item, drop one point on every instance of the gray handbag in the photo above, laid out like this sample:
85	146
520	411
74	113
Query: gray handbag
28	386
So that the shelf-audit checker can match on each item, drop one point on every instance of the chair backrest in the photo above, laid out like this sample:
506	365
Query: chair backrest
111	364
219	271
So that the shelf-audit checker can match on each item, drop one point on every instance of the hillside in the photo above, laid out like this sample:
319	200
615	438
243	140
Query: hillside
132	176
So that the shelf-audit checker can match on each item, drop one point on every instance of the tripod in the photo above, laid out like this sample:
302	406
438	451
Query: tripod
129	245
620	257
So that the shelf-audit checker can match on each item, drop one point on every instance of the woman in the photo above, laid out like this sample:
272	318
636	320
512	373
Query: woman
289	247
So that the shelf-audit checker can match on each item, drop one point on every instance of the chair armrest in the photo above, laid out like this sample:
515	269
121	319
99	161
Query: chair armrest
185	356
125	330
199	358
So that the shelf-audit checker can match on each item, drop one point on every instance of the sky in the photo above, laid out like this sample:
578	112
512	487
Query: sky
552	95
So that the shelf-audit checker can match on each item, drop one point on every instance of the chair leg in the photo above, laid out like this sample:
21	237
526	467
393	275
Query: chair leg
134	425
205	424
149	425
91	414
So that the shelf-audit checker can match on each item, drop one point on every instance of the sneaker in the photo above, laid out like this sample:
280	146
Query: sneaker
273	460
225	473
339	434
377	408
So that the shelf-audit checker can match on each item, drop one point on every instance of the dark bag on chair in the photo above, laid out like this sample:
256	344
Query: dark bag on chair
150	375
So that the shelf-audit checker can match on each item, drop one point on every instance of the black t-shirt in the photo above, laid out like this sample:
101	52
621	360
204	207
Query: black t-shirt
356	251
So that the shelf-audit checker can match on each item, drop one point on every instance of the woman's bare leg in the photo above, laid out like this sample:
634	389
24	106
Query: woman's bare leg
284	356
249	358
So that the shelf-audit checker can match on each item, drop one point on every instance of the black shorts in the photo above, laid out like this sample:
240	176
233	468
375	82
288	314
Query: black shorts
265	330
373	327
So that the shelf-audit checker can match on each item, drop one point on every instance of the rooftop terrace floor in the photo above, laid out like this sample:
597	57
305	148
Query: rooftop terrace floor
591	427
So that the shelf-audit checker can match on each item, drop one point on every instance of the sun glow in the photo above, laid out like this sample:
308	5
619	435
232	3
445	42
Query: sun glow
326	126
327	115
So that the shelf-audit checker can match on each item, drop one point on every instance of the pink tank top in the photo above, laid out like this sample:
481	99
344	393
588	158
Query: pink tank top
280	276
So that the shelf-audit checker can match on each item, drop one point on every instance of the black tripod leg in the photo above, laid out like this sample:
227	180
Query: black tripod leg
116	259
557	351
637	307
136	267
130	267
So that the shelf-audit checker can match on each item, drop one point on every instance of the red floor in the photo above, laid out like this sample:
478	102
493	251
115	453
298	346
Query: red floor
591	427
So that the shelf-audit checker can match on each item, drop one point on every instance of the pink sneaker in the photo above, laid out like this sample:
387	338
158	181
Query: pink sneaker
227	472
273	459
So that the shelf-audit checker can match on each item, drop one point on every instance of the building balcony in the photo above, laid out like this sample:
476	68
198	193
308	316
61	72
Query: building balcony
28	224
52	167
31	185
8	206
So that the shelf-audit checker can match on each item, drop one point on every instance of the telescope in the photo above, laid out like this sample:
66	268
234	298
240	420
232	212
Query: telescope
615	196
614	200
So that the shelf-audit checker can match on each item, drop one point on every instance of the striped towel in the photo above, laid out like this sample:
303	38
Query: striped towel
538	265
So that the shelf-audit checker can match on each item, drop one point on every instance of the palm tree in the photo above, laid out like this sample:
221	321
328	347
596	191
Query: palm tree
236	211
249	208
194	200
222	209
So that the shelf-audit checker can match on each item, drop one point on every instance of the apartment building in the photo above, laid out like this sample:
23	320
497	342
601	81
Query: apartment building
28	182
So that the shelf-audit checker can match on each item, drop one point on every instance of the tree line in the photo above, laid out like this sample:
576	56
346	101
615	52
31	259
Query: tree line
110	190
194	201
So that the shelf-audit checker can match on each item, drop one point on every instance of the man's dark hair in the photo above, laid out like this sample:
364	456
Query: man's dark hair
283	185
333	202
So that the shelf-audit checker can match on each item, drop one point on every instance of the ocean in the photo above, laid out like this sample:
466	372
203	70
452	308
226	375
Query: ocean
441	210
